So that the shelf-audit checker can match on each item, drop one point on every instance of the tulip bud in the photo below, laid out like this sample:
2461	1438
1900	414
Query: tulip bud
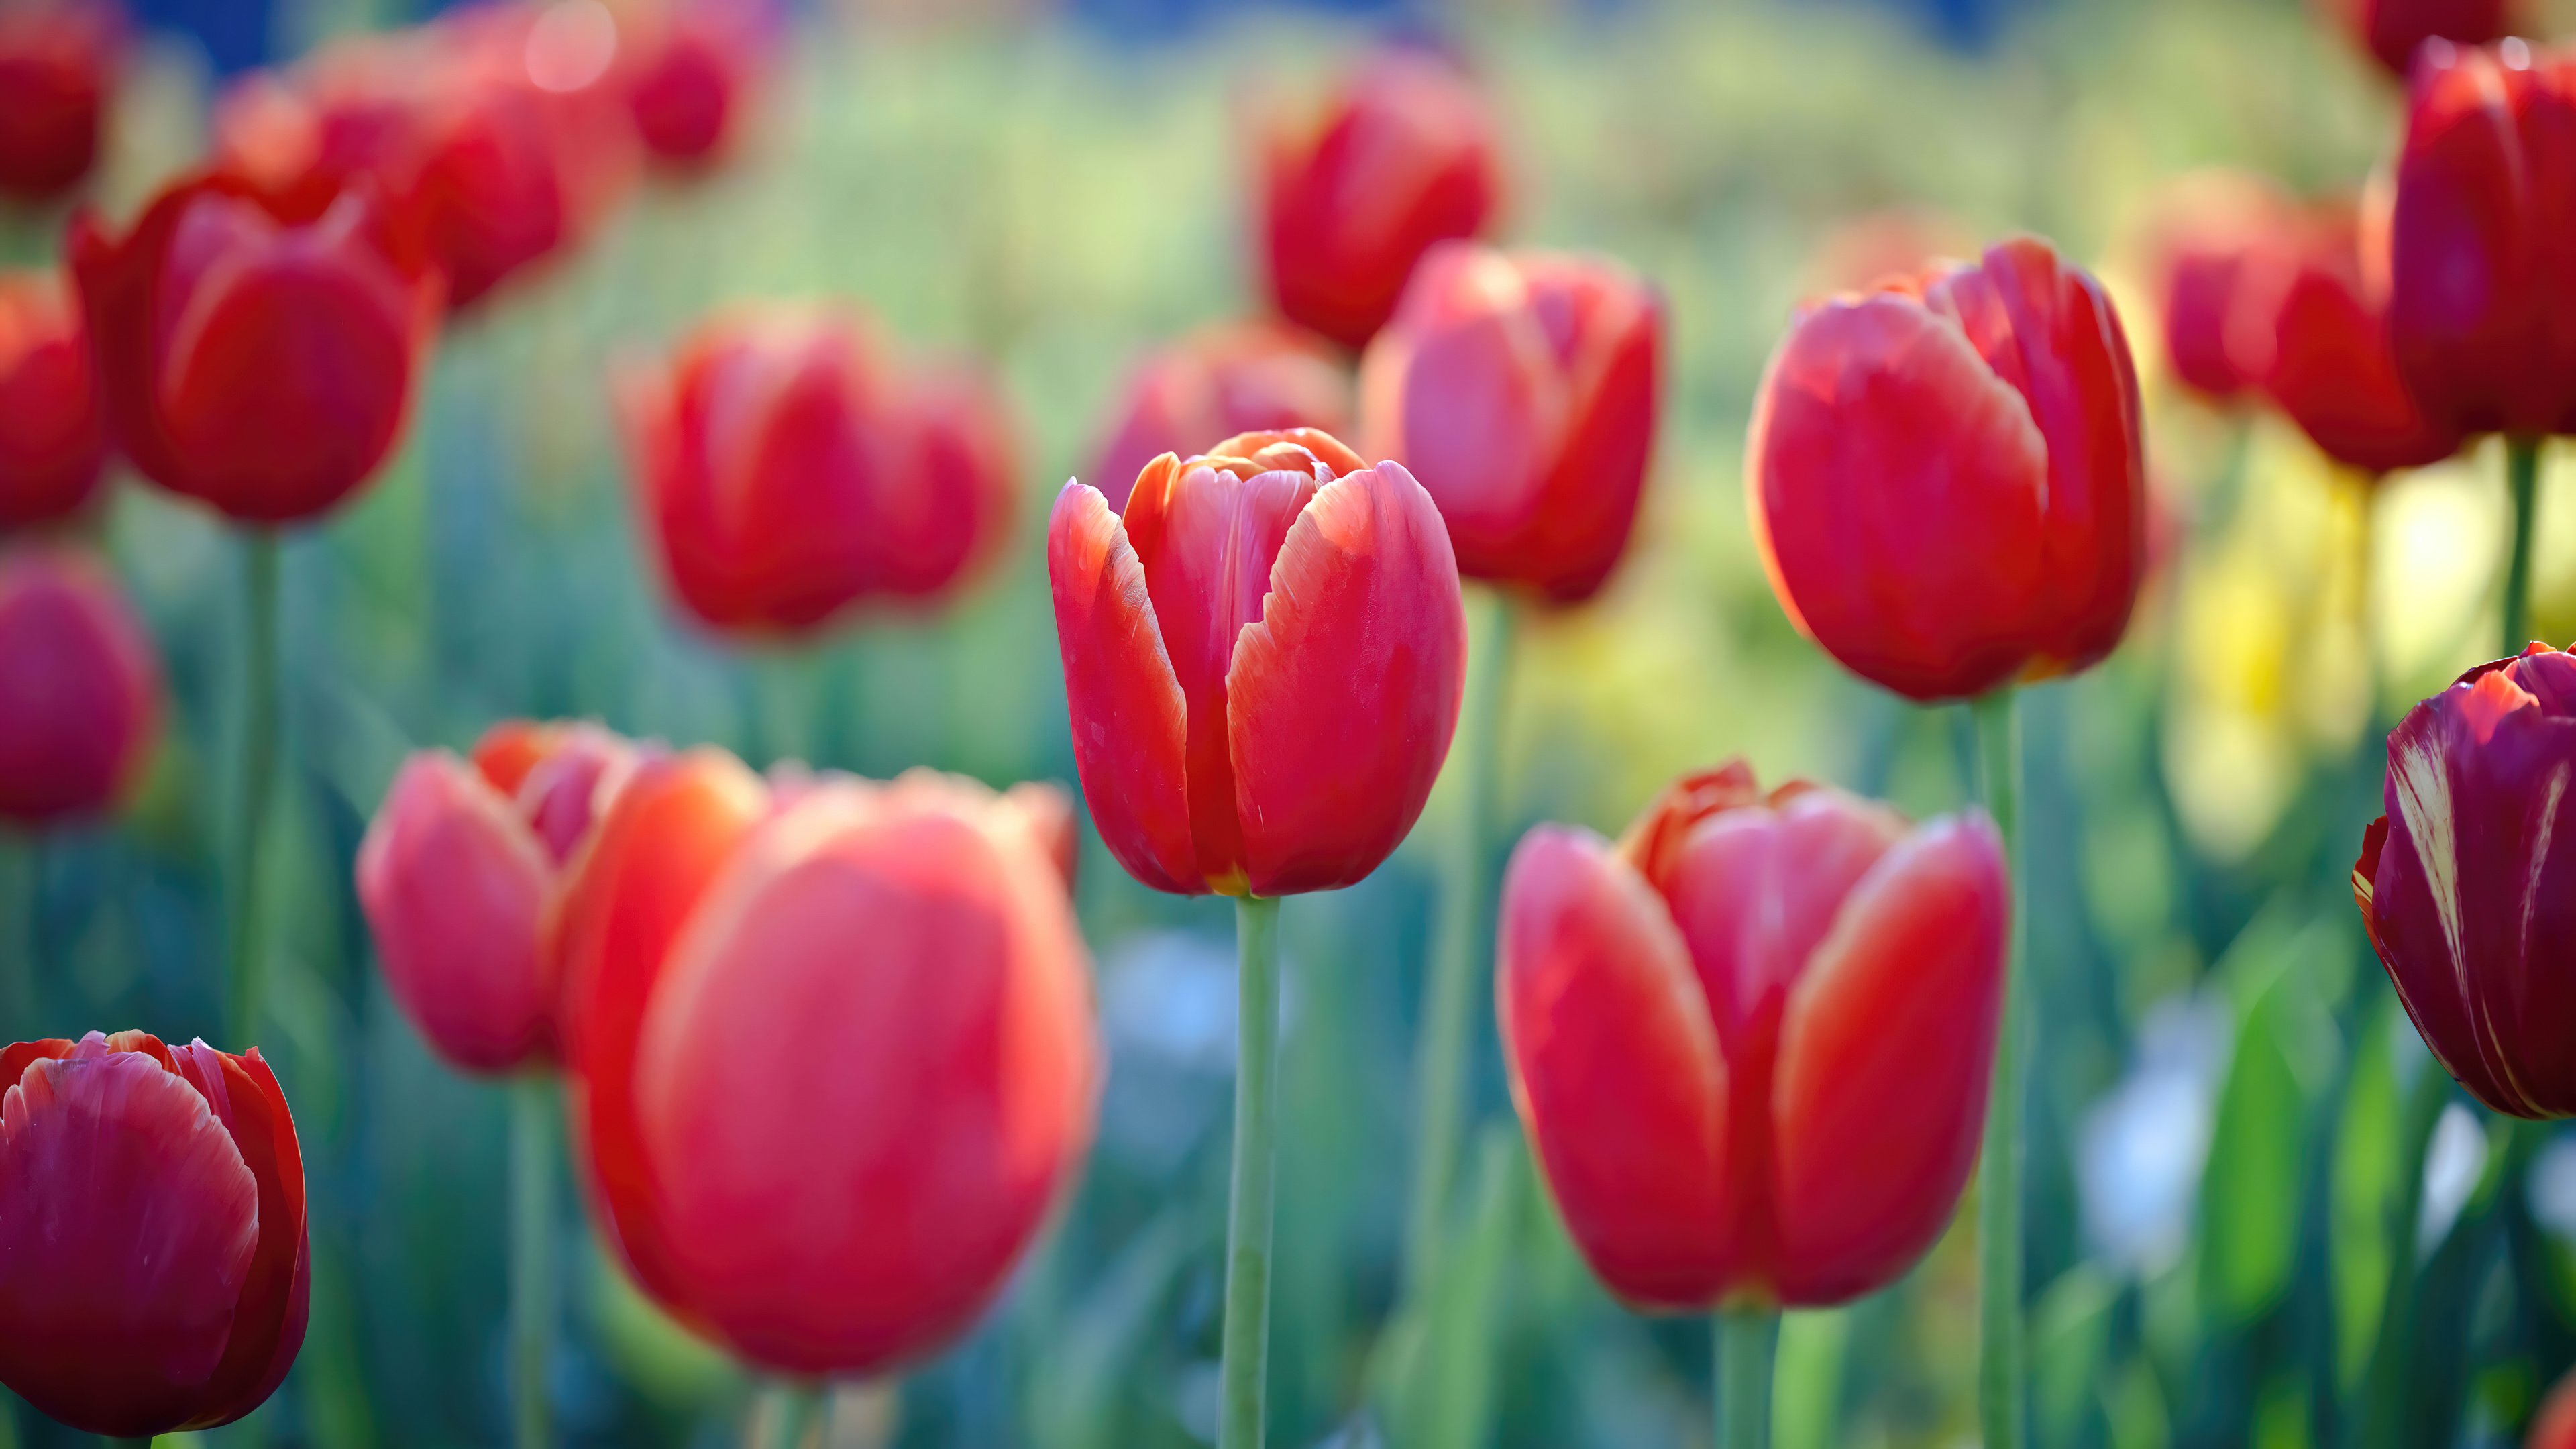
254	356
1946	476
1520	388
2210	233
2482	302
52	439
1220	382
1751	1042
689	87
154	1272
2461	886
2394	30
2331	369
80	690
1402	157
1264	658
56	64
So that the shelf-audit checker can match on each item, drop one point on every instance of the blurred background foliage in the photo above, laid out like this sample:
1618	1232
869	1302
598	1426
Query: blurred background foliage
2215	1106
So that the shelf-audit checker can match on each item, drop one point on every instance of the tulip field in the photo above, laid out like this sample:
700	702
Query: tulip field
1429	726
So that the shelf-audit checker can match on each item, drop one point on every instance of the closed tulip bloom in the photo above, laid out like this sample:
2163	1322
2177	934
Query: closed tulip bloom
845	1211
1402	157
1946	476
2468	889
1264	657
154	1273
1751	1041
2482	302
254	356
689	89
2393	30
2330	366
1520	388
1220	382
57	59
456	875
2209	237
80	688
52	437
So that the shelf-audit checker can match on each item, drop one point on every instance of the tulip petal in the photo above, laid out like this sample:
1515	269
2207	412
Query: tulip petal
268	1322
1343	698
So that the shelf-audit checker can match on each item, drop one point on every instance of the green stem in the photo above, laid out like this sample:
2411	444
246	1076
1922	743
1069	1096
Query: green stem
798	1411
2002	1366
532	1255
1245	1362
2391	1356
259	683
145	1440
1449	996
1748	1342
2522	479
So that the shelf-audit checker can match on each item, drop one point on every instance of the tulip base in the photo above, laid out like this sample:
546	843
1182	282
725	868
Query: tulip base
2001	1365
532	1255
1244	1369
257	781
1748	1343
2522	481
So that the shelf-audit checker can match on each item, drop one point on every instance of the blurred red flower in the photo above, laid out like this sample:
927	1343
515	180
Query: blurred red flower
2554	1427
2331	369
1218	382
1264	658
53	439
2206	235
2393	30
699	62
57	62
1946	478
154	1272
833	1050
1402	156
1520	388
80	687
1751	1041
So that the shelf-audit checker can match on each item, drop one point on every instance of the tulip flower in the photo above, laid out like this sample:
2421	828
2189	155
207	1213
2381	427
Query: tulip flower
1220	382
57	63
1520	388
2211	229
255	356
688	91
1402	157
154	1272
2329	366
853	1209
788	471
2394	30
1946	477
1751	1041
2461	883
1264	656
52	439
2554	1427
458	870
80	690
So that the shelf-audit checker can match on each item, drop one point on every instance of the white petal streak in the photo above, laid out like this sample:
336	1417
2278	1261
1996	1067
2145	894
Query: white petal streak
2424	802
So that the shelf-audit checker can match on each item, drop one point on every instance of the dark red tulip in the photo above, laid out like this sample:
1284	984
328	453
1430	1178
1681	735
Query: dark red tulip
1520	388
1264	658
57	63
1946	476
80	689
2393	30
1220	382
2330	367
1751	1041
2482	302
788	471
919	938
2211	234
1403	156
458	870
53	441
2468	890
254	354
699	67
153	1266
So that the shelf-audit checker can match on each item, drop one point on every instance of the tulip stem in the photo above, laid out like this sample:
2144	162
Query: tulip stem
1245	1364
532	1254
259	683
144	1440
1748	1342
2390	1353
2002	1366
2522	480
1448	1003
798	1411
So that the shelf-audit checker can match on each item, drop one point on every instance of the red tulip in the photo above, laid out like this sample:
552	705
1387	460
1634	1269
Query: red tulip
2466	888
2393	30
1264	658
1520	388
52	439
688	90
843	1210
2211	234
1402	157
2330	368
2482	302
1751	1041
1946	478
57	61
254	355
1220	382
2554	1427
788	472
458	870
80	691
153	1265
